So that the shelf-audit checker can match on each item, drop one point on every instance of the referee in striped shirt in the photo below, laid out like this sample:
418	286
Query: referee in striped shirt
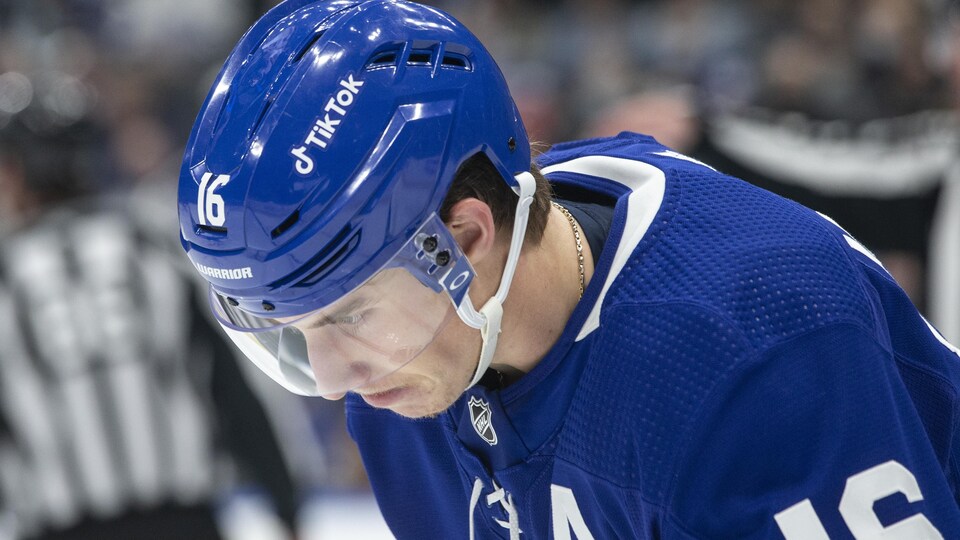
122	414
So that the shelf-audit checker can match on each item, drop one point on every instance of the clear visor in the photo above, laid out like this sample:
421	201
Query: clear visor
365	335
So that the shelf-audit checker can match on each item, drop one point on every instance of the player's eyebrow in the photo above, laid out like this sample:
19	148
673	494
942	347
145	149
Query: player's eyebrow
322	319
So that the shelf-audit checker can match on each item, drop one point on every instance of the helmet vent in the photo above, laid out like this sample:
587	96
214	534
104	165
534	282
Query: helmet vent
419	57
283	227
263	113
346	246
384	59
456	61
211	230
309	45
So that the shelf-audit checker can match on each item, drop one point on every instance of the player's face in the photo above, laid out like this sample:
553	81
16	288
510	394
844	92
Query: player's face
434	379
373	331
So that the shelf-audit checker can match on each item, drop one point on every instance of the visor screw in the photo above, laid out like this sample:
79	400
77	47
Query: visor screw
512	144
443	258
232	301
430	244
267	306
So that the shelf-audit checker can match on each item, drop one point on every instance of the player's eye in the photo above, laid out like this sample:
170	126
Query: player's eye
350	319
349	315
354	324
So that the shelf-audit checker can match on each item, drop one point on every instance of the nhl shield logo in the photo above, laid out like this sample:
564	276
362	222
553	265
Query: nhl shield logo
480	417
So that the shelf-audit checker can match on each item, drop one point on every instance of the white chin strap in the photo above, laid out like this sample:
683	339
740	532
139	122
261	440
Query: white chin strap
487	320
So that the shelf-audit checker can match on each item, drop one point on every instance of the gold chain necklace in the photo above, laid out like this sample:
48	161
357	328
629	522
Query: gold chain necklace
576	235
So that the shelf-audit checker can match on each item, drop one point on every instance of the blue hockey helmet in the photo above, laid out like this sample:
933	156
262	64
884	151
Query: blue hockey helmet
313	176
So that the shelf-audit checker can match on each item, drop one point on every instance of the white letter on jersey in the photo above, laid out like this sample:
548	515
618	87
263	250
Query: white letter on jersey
866	488
800	521
566	514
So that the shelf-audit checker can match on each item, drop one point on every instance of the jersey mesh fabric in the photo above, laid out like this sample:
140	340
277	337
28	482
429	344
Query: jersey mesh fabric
728	271
925	371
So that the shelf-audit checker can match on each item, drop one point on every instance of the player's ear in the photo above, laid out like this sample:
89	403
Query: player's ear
471	222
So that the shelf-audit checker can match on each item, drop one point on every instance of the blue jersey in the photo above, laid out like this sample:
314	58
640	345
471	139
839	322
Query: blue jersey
739	367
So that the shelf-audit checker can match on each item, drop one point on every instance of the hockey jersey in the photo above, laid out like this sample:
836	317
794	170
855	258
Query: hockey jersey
738	367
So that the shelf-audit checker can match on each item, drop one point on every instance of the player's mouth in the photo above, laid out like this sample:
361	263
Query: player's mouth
383	400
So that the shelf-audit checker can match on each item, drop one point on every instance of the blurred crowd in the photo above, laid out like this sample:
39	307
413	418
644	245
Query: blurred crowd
578	68
578	65
849	106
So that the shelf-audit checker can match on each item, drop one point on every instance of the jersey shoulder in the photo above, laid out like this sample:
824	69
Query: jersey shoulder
768	265
723	272
626	145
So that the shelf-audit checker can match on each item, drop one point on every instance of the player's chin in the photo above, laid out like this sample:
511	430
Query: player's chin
411	403
412	396
420	411
417	409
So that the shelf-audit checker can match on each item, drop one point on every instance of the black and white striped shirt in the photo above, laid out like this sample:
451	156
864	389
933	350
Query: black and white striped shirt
116	394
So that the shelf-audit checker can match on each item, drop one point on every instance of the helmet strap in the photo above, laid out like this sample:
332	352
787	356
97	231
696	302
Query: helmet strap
489	318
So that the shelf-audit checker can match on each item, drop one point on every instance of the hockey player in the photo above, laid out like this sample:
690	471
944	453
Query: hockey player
615	341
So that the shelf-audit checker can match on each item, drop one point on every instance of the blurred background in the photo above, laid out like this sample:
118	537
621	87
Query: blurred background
847	106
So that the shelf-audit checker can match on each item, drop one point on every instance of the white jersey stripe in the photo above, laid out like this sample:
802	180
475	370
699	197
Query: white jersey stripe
647	184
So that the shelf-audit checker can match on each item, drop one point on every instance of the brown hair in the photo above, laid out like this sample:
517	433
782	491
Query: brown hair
478	178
